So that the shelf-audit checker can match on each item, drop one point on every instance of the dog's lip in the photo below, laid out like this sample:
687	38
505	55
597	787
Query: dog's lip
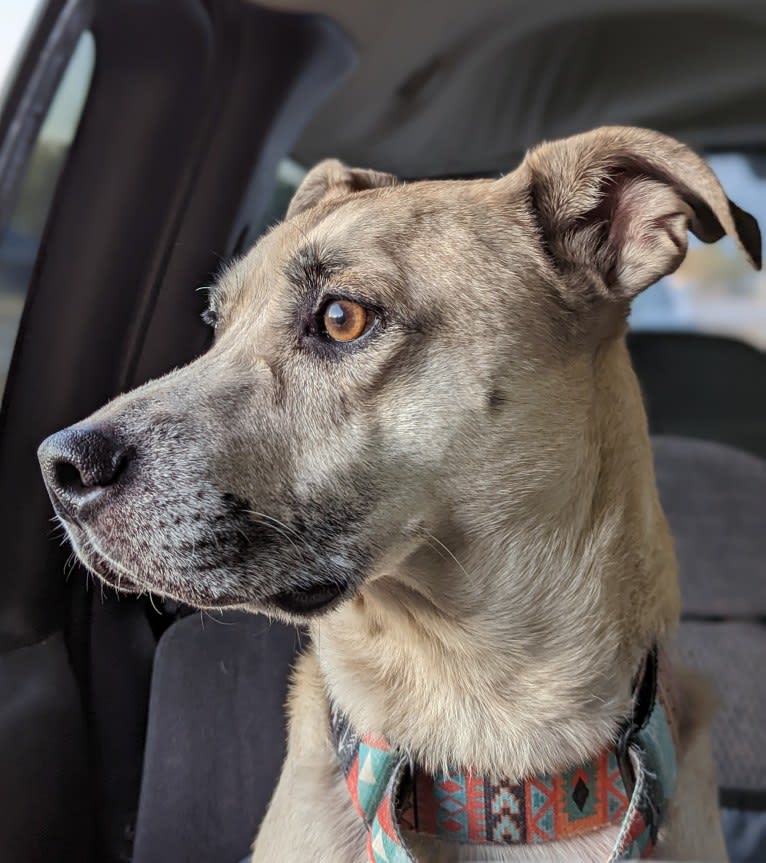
320	596
97	564
298	601
118	581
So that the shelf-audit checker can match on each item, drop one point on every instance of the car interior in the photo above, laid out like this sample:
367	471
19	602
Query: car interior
142	146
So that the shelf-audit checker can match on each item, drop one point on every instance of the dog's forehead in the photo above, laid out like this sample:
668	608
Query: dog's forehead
400	216
361	231
406	226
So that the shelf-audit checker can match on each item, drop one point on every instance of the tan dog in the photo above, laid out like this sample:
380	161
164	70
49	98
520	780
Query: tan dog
418	430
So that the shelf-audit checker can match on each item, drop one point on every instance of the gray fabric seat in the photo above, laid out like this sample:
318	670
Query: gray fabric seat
215	738
715	500
733	655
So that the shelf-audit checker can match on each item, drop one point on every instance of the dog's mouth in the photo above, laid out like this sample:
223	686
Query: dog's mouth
320	596
314	596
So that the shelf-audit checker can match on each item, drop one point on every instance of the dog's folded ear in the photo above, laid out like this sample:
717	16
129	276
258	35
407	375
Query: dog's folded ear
332	179
614	205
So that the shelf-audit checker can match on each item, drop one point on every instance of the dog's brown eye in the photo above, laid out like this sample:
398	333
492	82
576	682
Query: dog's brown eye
345	320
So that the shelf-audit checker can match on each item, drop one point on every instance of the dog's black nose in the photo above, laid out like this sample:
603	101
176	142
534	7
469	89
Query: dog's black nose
79	465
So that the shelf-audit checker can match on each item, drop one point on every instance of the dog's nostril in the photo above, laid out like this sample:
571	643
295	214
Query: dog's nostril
67	476
120	463
79	463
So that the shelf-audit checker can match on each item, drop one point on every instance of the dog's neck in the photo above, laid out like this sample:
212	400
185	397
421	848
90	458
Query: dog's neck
515	654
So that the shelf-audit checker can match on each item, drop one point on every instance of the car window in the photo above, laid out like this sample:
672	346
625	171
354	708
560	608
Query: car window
289	176
715	290
20	241
18	21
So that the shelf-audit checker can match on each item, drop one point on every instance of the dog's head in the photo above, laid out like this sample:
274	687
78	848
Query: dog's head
394	366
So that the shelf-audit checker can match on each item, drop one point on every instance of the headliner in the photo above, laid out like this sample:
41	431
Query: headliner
448	87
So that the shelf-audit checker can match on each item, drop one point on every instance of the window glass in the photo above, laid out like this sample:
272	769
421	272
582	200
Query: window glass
715	290
289	176
20	241
18	21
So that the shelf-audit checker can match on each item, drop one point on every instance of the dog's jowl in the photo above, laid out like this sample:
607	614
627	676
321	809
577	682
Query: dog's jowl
418	433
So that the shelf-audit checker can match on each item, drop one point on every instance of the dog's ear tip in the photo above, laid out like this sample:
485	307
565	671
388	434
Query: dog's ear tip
749	234
639	183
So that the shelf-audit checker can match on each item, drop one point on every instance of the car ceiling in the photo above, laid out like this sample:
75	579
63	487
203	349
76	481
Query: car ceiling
446	87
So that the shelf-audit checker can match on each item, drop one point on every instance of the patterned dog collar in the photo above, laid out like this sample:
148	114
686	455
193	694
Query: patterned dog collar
627	785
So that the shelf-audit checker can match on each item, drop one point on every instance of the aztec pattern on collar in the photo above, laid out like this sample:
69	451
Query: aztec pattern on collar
458	806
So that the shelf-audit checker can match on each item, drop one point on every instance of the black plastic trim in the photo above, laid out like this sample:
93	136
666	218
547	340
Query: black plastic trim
748	799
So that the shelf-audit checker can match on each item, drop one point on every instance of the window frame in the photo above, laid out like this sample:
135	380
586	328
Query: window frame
30	94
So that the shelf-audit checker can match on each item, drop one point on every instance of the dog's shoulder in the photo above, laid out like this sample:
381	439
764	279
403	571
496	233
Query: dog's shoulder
695	701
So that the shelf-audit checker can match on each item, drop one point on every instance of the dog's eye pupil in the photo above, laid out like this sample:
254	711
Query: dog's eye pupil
345	320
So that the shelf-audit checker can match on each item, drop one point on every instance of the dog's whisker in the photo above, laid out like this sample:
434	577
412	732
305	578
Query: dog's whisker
435	548
277	522
151	602
429	535
210	615
69	565
283	529
285	536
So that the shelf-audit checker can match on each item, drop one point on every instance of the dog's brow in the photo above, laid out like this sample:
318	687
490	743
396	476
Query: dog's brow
228	284
310	267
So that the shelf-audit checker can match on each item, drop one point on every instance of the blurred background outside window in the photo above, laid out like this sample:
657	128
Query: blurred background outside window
715	290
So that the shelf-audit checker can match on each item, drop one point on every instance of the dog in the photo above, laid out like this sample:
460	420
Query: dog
418	433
